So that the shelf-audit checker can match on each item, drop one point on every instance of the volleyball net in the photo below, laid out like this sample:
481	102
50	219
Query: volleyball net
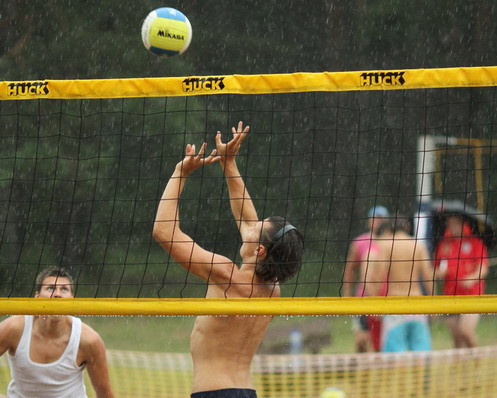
468	373
83	164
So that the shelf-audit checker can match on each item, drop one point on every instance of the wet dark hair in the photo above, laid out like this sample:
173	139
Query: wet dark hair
394	224
55	271
285	246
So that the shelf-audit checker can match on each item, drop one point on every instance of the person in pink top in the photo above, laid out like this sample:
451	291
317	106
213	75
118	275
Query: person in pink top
367	328
461	261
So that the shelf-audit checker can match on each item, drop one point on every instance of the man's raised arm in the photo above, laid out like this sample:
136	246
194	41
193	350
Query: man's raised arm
167	231
241	203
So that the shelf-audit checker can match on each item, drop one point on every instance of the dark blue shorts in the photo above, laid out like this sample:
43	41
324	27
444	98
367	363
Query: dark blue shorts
226	393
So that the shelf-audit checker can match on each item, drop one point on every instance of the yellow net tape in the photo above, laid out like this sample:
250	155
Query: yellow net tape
250	84
254	306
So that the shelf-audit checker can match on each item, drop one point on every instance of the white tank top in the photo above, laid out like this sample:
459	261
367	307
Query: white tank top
60	379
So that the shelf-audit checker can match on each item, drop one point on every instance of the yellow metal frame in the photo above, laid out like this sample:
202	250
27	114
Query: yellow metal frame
476	148
254	306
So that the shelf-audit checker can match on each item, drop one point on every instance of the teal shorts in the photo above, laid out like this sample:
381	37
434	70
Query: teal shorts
402	333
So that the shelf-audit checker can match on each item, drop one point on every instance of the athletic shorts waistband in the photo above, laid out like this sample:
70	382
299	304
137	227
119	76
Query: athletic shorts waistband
226	393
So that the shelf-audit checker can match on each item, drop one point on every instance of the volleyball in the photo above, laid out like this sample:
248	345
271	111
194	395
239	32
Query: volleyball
332	392
166	32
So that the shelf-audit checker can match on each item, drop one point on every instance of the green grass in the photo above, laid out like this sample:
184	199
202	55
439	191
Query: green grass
144	333
171	334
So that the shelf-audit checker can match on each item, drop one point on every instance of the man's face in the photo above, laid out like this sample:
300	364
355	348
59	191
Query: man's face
55	287
455	225
252	239
375	223
254	234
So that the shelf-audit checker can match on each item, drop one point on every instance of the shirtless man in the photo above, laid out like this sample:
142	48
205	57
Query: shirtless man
367	328
223	347
48	354
404	263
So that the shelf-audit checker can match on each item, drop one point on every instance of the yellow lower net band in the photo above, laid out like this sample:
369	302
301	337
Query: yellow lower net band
277	306
468	373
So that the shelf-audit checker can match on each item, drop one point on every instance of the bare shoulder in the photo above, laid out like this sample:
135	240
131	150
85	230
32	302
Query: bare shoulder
386	245
422	250
11	331
252	288
13	323
404	241
243	284
90	339
352	248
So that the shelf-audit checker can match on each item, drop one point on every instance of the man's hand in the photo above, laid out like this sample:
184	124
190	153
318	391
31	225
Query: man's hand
192	162
471	279
241	204
228	151
441	270
468	283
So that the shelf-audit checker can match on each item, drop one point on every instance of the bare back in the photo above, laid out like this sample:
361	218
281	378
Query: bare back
406	263
222	347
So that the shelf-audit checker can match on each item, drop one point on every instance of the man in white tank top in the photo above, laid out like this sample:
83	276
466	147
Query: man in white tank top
48	354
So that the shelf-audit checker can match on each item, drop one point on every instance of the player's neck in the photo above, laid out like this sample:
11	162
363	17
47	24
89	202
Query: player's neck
248	265
51	325
249	261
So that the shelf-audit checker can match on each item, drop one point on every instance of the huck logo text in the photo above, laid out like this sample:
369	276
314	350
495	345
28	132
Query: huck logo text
382	79
203	84
27	88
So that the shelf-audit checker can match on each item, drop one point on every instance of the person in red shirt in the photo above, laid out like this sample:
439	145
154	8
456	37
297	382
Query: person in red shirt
461	260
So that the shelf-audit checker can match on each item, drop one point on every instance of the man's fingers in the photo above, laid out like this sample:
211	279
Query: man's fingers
218	139
238	129
240	136
215	159
244	133
201	151
211	154
212	157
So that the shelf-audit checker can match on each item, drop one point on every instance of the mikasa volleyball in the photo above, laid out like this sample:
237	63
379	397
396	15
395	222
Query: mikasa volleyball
166	32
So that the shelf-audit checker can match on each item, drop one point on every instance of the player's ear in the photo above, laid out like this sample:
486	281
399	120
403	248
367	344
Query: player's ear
261	251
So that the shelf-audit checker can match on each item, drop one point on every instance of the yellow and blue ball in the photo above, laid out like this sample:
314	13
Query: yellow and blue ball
166	32
332	392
